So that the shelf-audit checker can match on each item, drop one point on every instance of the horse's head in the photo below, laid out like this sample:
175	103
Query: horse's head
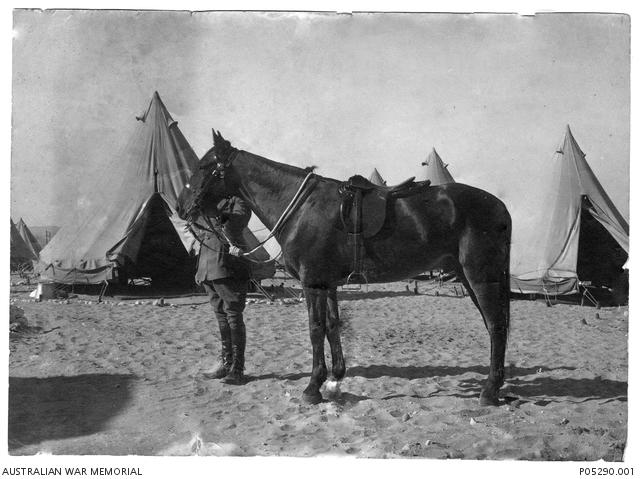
209	183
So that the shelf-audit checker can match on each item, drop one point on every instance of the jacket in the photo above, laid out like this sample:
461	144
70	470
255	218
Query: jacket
214	261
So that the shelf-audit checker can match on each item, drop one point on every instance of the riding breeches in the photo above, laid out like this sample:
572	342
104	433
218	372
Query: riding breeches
227	296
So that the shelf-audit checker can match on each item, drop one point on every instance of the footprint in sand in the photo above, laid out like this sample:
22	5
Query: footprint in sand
246	407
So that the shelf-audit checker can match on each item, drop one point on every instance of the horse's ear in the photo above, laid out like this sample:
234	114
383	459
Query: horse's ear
215	138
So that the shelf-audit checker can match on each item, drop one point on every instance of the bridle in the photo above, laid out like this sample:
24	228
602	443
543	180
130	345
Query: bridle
218	172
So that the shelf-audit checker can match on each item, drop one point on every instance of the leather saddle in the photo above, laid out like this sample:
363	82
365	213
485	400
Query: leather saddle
363	205
363	212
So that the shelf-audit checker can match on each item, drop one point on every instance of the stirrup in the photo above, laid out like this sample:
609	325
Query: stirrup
351	284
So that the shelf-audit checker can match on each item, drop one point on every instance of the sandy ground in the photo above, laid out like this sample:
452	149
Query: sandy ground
125	378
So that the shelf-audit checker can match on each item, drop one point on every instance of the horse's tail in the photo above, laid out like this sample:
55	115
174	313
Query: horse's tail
503	238
506	277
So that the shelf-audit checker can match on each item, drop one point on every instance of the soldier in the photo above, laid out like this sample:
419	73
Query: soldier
225	277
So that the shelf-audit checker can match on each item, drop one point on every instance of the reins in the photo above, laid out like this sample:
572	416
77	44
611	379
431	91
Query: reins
284	216
200	240
223	238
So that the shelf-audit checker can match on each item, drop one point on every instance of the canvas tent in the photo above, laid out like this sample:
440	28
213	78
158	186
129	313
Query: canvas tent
579	234
130	228
436	170
43	234
20	253
376	178
28	237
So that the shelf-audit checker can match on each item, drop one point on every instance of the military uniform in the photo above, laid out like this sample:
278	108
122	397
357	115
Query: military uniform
225	277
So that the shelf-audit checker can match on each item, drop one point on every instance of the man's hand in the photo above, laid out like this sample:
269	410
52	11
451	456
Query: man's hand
234	250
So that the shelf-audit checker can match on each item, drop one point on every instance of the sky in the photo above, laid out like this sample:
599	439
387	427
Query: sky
347	93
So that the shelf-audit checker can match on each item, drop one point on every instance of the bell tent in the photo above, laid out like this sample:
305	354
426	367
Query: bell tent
376	178
130	225
21	254
579	234
28	237
436	171
131	229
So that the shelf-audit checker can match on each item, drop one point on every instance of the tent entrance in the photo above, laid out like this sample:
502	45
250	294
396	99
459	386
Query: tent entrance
600	257
160	254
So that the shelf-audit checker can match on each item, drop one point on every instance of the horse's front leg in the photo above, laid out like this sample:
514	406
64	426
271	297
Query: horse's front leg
333	336
317	307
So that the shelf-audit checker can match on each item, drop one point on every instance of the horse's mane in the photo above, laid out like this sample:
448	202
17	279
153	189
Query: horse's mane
296	170
276	165
284	167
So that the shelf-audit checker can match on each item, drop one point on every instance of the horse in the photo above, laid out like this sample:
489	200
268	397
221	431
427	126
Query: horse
461	226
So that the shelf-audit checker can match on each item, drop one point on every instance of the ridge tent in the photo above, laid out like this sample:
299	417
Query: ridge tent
376	179
20	253
28	237
579	234
436	170
130	228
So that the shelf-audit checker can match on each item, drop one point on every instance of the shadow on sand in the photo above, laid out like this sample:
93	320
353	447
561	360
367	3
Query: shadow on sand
361	294
61	407
589	388
586	389
415	372
541	385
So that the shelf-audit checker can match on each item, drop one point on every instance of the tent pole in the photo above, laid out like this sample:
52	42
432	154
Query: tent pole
103	290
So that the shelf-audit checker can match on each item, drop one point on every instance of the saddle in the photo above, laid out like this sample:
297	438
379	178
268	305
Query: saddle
363	210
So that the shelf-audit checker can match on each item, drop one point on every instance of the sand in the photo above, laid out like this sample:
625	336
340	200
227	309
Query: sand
124	378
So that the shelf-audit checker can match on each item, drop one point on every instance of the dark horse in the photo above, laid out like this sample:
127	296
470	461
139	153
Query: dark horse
463	227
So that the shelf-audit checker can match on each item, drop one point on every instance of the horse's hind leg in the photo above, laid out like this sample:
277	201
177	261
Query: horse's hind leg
492	299
317	308
495	309
333	336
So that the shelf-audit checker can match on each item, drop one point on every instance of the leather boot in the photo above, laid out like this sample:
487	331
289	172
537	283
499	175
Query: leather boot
222	368
236	372
226	356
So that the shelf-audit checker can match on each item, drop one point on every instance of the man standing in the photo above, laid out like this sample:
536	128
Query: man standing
225	276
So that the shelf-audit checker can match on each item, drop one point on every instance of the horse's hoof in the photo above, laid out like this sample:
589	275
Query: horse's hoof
312	398
488	399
